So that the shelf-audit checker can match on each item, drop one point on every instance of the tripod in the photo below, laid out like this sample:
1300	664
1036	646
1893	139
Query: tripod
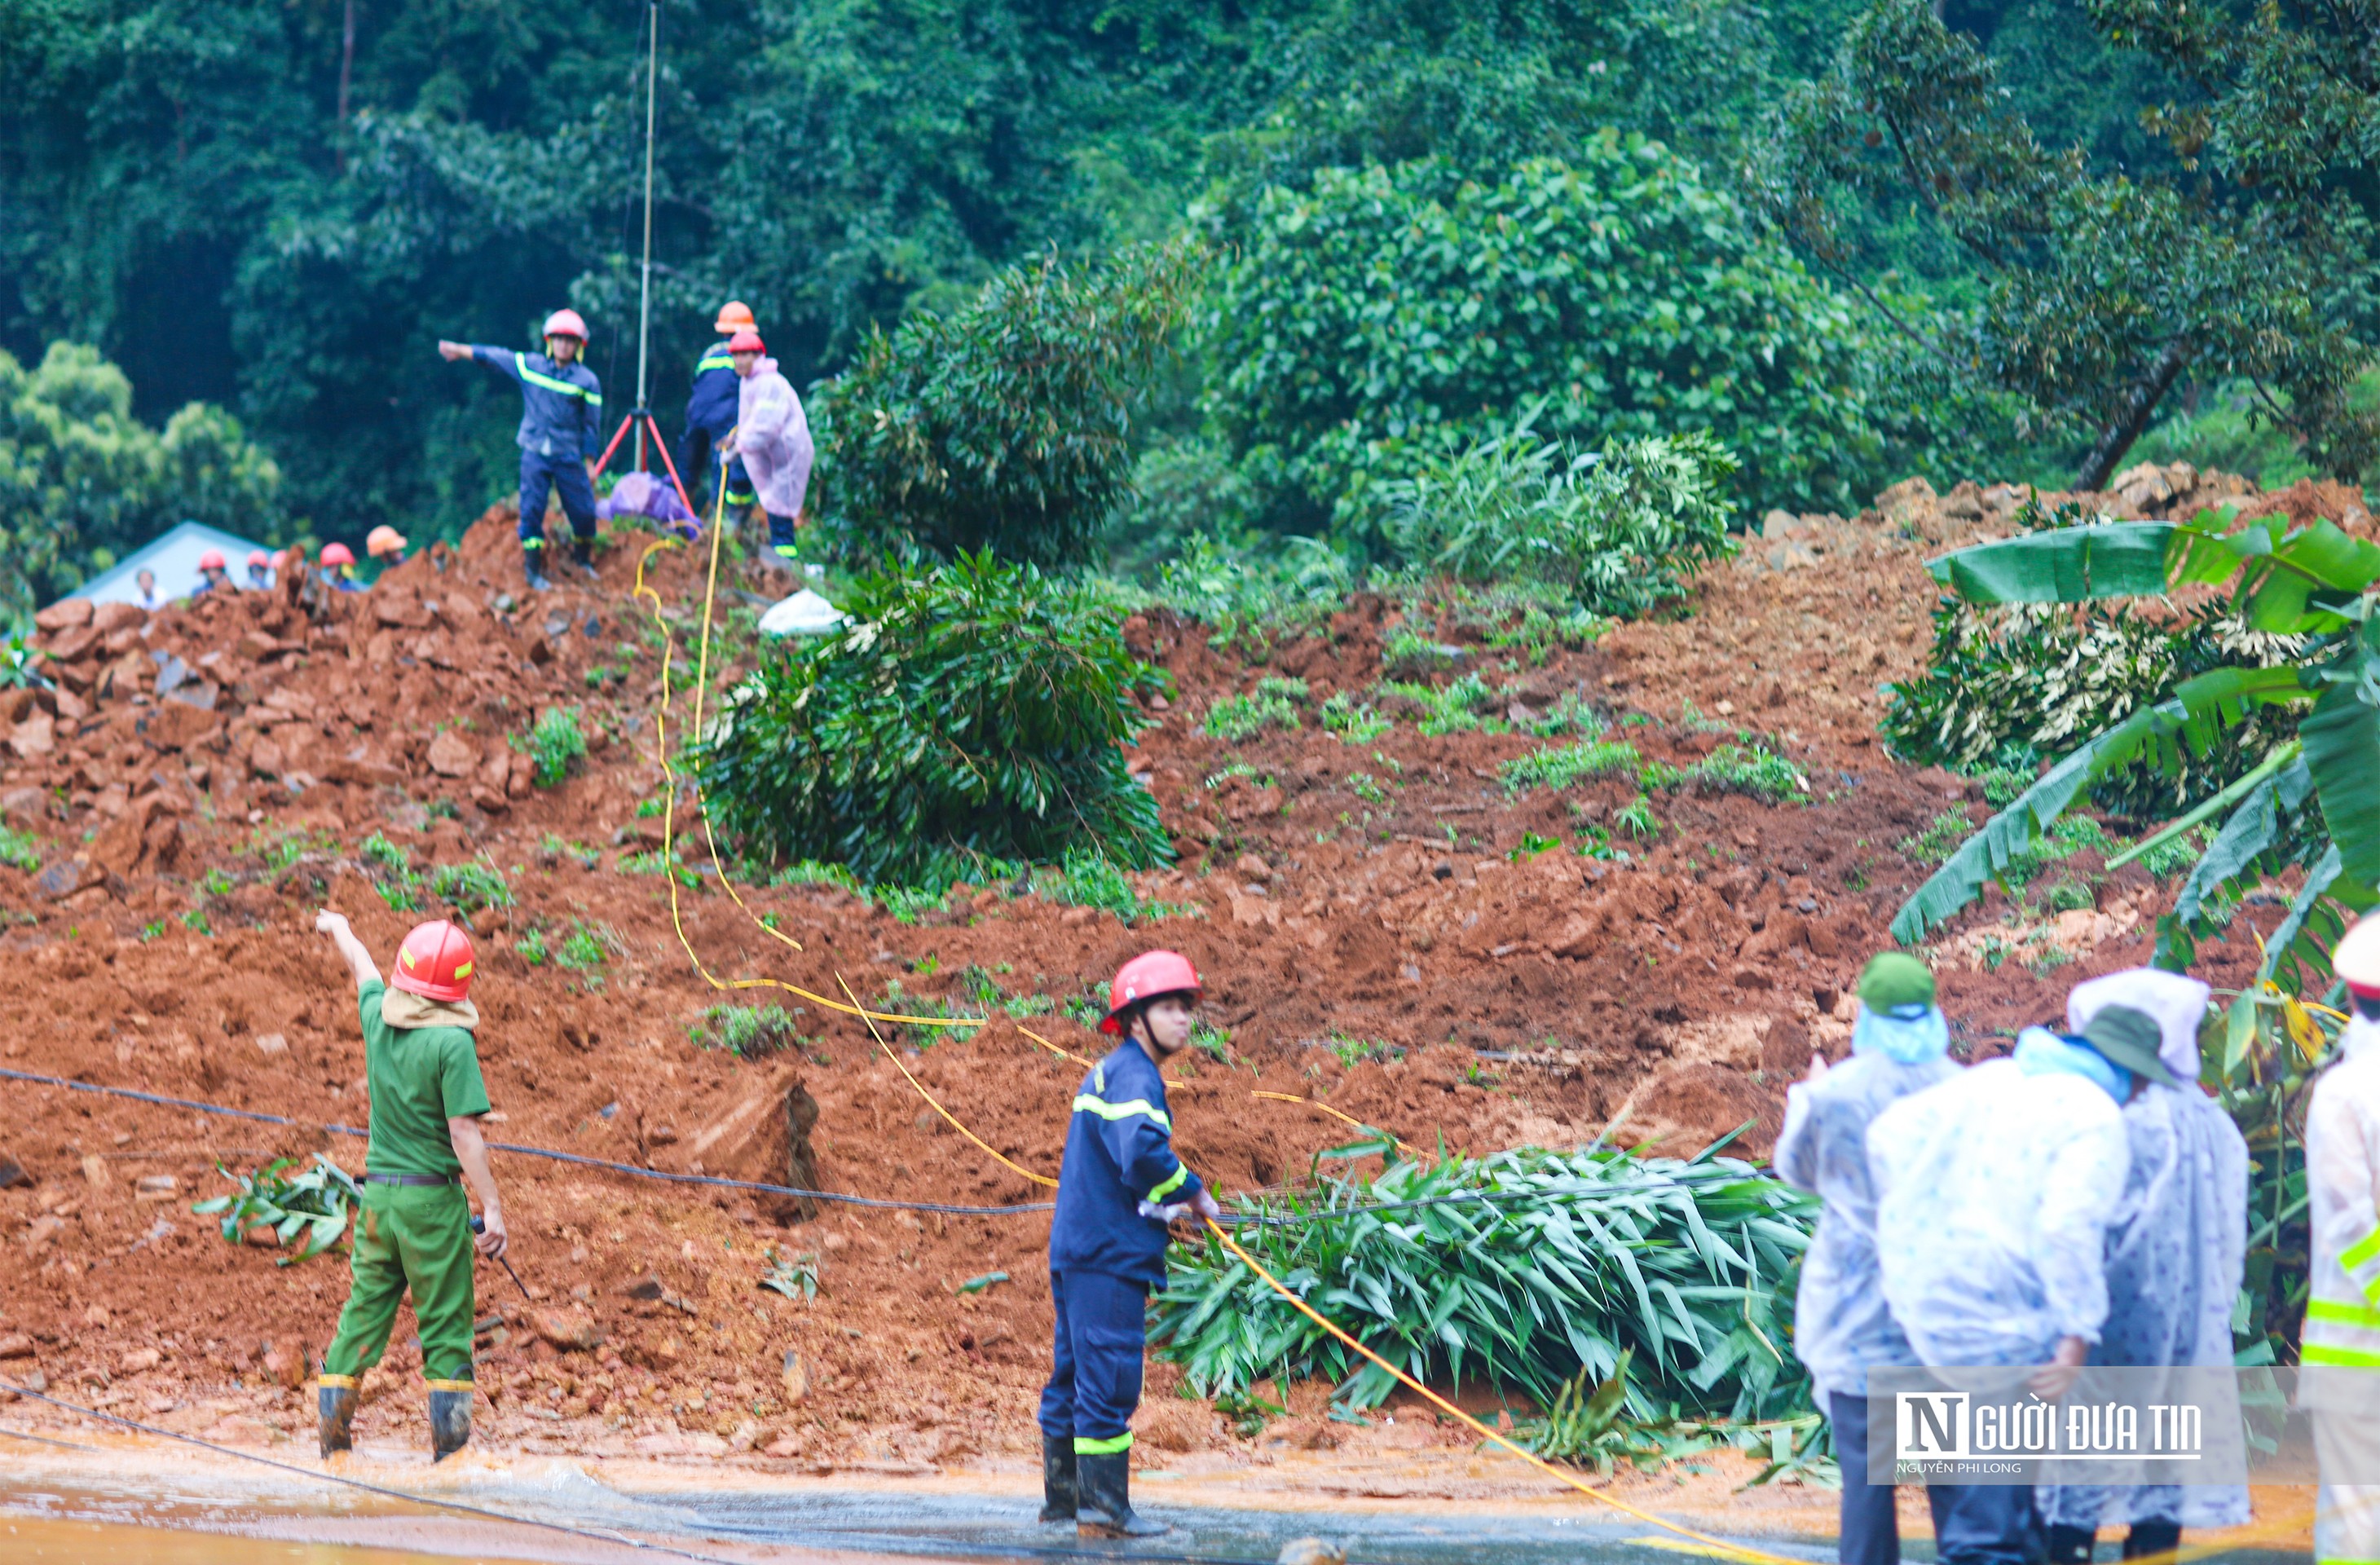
641	419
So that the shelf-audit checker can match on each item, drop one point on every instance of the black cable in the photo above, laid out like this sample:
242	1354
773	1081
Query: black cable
829	1196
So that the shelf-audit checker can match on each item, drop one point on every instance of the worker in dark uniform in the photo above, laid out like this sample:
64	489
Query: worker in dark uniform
562	409
711	413
1119	1186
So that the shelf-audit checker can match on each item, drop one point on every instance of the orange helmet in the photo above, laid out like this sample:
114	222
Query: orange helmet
734	316
337	554
212	560
564	323
384	539
435	961
1145	976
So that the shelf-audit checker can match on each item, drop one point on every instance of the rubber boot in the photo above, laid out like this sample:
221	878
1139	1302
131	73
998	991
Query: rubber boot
337	1407
2147	1538
582	555
2070	1546
536	577
450	1423
1057	1478
1105	1510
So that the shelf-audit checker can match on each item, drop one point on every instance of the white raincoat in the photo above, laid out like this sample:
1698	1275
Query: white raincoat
1994	1191
1841	1327
773	435
2176	1245
2340	1377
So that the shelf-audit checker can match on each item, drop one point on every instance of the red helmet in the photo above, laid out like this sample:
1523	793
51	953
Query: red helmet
435	961
337	554
746	341
565	323
1145	976
212	560
258	557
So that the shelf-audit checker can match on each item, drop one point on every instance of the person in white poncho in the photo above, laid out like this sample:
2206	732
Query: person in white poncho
2340	1374
1841	1329
2176	1248
1994	1194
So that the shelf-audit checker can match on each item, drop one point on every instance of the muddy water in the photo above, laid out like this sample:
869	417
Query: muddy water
26	1541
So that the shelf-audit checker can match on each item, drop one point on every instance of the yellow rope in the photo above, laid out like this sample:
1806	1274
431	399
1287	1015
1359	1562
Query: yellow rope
1063	1053
1732	1551
889	1054
1402	1144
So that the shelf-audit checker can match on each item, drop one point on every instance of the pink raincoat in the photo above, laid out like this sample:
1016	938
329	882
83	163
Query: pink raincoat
773	437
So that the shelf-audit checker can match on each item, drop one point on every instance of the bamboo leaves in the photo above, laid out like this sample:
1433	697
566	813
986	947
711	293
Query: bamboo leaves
1533	1266
316	1203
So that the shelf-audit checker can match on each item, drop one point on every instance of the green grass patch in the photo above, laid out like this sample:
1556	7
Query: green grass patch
1567	766
1237	718
20	850
554	742
749	1032
1351	721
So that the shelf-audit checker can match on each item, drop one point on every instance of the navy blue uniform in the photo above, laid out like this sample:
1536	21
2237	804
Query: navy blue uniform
1104	1256
562	412
710	414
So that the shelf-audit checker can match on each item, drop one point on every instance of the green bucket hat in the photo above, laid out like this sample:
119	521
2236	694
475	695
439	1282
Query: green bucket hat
2130	1038
1894	978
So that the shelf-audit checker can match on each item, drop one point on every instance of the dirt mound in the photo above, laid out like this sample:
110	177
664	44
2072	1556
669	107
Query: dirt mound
1384	932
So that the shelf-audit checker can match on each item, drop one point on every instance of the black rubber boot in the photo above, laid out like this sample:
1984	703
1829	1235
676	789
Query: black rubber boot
450	1423
1057	1478
1105	1505
530	570
337	1407
582	555
2070	1546
2149	1538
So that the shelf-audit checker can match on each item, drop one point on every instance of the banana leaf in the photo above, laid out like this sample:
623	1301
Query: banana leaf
2064	565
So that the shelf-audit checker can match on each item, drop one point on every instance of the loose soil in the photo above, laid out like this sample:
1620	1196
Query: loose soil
1376	935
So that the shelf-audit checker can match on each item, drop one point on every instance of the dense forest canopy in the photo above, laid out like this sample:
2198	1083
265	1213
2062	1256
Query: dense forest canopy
279	208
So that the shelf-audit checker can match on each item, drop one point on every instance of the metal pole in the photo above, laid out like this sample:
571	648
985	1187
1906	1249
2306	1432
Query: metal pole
645	286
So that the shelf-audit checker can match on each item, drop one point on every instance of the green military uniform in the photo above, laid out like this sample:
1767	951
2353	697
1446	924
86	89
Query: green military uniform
415	1236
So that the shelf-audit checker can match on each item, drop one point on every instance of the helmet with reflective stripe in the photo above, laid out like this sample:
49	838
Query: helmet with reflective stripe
337	554
746	341
435	961
1147	976
2357	958
212	560
565	323
734	316
384	539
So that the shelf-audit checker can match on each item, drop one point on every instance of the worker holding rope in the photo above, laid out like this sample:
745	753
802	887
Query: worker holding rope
1118	1187
421	1066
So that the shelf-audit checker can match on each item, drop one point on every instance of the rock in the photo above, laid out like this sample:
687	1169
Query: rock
16	1345
1249	867
1311	1551
264	758
156	1187
12	1173
794	1379
286	1367
109	618
37	735
24	806
495	803
64	614
42	1231
139	1360
97	1316
520	777
646	1288
784	1445
94	1173
72	646
570	1331
176	722
453	754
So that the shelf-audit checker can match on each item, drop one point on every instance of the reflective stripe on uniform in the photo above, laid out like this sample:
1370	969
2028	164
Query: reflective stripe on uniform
520	363
452	1384
1103	1448
2365	1316
1122	1110
714	364
2339	1358
1181	1176
336	1382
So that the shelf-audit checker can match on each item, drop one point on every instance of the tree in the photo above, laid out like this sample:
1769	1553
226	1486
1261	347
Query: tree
1389	314
2105	288
1004	424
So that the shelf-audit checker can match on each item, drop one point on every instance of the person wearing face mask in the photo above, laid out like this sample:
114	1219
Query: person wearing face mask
2176	1249
1118	1187
1841	1329
1995	1190
2338	1376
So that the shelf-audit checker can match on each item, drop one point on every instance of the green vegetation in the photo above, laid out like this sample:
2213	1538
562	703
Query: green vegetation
1004	424
748	1032
1575	1260
1752	770
554	742
20	849
1354	723
969	721
1452	710
316	1203
1253	594
472	887
587	947
1621	529
1086	878
1240	718
1564	767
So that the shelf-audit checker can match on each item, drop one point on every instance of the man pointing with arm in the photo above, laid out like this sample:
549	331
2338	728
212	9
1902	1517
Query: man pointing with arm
561	430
